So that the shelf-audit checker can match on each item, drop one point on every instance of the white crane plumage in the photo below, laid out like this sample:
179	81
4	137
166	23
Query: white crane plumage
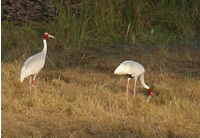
133	69
35	63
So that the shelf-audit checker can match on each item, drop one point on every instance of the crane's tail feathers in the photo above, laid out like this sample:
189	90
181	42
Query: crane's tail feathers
115	72
21	78
148	98
118	71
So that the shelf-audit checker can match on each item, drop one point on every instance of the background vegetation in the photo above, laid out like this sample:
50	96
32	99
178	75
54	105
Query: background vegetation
119	21
76	93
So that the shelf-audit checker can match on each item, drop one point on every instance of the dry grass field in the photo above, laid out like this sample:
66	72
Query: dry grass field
77	95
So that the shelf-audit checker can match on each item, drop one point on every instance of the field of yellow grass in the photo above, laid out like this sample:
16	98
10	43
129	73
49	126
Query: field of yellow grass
77	95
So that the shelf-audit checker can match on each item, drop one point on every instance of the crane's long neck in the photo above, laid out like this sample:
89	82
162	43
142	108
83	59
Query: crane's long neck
145	86
142	82
45	46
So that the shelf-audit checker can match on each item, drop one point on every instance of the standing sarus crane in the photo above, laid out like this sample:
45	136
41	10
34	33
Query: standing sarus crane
35	63
135	70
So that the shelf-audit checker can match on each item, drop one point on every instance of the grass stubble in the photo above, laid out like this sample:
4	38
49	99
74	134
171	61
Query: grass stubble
88	100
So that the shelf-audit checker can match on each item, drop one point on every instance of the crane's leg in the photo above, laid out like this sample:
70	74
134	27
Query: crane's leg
134	89
33	81
30	85
127	87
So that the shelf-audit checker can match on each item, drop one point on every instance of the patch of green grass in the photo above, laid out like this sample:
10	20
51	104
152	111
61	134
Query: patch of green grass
109	22
94	21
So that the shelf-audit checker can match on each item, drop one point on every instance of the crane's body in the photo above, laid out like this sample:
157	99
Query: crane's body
133	69
35	63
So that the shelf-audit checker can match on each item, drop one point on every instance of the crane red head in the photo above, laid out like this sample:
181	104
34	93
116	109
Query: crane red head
45	35
150	94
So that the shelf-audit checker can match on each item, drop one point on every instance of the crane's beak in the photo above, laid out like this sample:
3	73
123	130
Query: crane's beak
150	94
148	98
51	36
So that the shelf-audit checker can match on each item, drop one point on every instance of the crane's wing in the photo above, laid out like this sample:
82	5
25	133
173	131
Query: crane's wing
129	67
32	65
26	62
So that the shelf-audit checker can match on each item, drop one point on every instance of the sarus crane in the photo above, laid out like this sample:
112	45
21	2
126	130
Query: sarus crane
135	70
35	63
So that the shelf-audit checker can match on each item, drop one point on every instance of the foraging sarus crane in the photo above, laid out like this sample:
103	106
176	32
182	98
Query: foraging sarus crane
133	69
35	63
